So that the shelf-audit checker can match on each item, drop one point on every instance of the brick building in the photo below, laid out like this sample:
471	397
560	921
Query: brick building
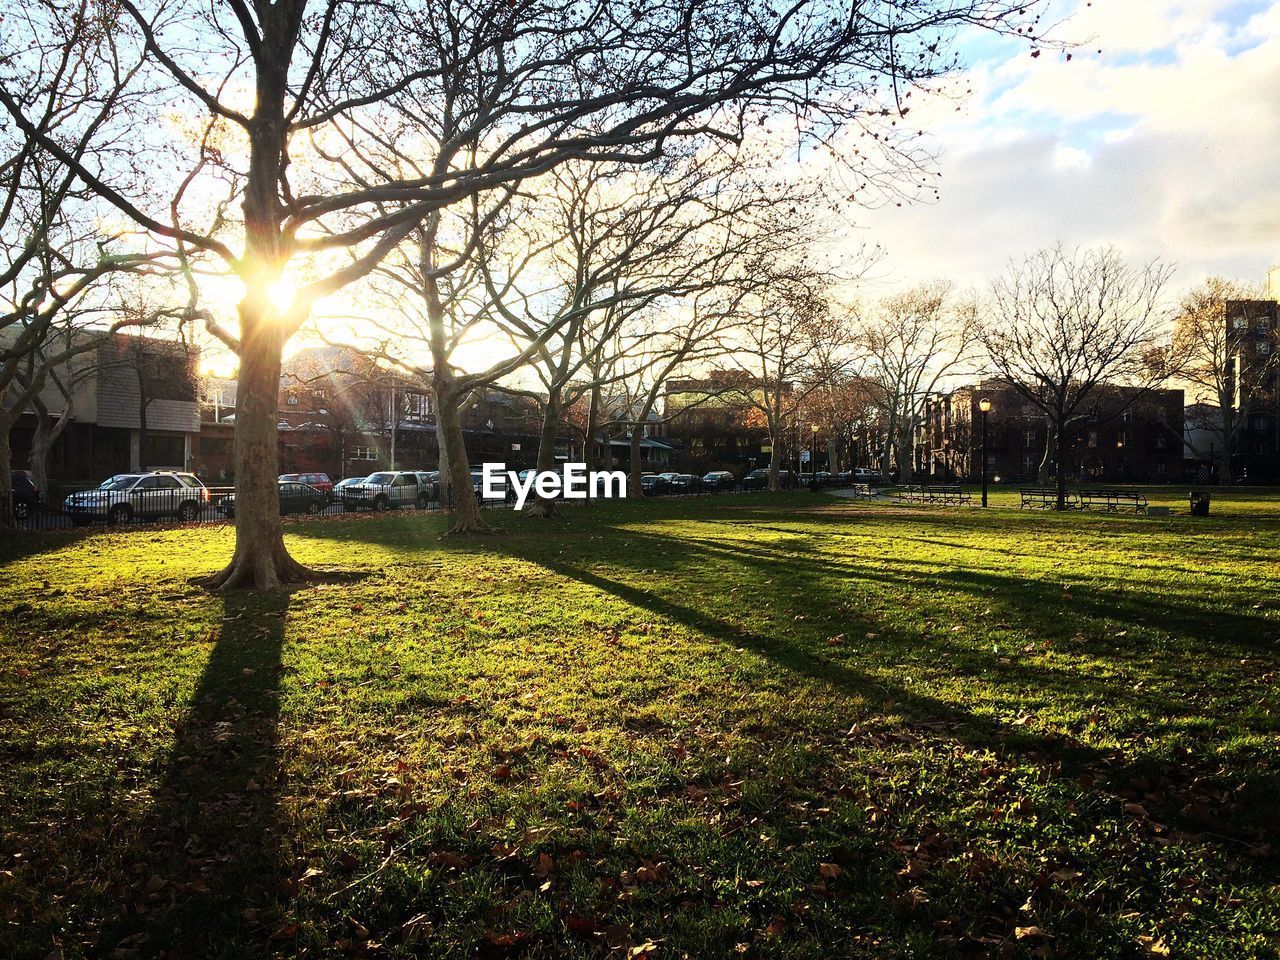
1253	343
1121	439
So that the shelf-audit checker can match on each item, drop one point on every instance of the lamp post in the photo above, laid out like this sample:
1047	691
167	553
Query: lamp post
813	460
985	406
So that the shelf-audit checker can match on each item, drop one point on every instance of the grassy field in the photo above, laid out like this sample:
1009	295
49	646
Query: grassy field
760	726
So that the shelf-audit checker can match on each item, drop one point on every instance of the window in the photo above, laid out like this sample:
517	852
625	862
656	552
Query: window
417	406
1239	321
1031	438
1093	438
1160	469
364	453
1161	444
1264	349
291	398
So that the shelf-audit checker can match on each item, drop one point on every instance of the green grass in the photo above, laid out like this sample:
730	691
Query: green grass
762	726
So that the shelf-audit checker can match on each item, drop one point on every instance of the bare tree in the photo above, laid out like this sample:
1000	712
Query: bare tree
792	345
638	256
914	339
53	256
1065	324
357	90
1229	351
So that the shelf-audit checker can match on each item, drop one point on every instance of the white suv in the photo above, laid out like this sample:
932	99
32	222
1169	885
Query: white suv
388	489
125	496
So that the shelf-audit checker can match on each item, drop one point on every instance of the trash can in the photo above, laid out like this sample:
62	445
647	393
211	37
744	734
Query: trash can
1199	503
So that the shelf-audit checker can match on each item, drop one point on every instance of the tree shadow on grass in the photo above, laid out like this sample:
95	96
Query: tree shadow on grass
208	866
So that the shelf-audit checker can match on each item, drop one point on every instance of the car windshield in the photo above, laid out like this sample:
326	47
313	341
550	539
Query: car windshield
122	482
381	479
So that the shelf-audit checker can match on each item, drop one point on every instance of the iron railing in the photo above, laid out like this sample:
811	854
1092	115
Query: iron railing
133	509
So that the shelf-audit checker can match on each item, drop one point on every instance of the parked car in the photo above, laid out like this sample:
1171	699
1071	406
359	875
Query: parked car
719	480
320	481
343	484
823	477
294	498
867	475
26	498
652	485
389	489
477	483
161	493
759	479
685	483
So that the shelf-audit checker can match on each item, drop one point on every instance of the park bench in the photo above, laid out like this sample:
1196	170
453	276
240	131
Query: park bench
1045	498
1113	501
865	491
947	495
932	494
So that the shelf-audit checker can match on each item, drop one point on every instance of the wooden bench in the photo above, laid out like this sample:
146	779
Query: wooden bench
865	491
1113	501
932	494
1046	498
947	495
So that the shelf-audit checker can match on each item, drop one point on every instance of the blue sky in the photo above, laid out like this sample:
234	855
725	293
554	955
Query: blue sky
1161	136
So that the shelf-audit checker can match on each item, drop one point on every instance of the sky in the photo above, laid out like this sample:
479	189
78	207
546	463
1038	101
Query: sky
1160	136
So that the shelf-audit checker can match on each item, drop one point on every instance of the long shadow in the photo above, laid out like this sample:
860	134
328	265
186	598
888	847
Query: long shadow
963	725
208	866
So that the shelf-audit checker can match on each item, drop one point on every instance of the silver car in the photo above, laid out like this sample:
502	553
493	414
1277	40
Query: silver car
125	496
389	489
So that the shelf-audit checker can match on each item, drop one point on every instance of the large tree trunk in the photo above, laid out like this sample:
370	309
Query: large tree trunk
906	453
593	425
886	457
541	506
260	561
464	508
1050	444
46	435
775	456
1061	437
6	477
635	488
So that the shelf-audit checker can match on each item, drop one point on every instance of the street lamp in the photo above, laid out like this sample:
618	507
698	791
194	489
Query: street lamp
813	460
985	406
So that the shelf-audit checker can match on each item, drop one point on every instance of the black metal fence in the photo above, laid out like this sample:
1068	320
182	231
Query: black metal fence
135	508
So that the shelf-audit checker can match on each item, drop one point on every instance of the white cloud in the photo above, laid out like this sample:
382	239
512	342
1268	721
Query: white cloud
1164	145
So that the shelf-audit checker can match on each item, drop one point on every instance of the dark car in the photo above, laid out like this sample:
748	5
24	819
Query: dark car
26	498
652	485
718	480
685	483
294	498
320	481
